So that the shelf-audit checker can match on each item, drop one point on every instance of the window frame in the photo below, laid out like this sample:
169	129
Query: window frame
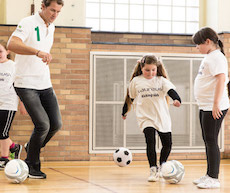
134	55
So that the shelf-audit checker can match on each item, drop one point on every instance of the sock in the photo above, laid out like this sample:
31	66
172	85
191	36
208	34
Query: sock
12	145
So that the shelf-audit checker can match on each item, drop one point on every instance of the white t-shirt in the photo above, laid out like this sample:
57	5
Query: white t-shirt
213	64
150	103
31	72
8	96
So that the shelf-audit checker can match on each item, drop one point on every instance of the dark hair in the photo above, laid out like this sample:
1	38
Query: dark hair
207	33
48	2
4	44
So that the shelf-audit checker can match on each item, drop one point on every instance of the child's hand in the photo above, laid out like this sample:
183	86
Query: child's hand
124	117
176	103
22	109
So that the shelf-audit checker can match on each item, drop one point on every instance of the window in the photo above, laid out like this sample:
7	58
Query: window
109	79
150	16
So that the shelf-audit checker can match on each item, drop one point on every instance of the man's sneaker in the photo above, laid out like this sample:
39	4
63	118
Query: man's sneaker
209	183
36	174
200	180
3	162
153	174
16	151
160	172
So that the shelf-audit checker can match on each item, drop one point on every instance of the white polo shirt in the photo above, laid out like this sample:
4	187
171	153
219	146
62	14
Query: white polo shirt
150	103
31	72
8	96
213	64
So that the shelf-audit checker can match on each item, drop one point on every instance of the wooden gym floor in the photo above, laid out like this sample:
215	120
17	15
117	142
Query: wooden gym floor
106	177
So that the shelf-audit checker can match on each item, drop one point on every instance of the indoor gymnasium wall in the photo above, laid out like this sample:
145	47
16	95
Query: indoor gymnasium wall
71	76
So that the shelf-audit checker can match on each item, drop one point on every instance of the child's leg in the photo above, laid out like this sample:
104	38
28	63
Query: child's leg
166	141
151	145
6	119
5	146
210	132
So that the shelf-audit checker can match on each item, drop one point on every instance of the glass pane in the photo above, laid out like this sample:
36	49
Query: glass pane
107	25
178	71
165	2
192	27
178	27
135	2
92	0
136	25
192	3
180	127
109	126
94	23
196	129
192	14
179	2
121	25
122	11
107	1
136	11
135	137
107	10
164	13
122	1
150	12
150	26
92	10
150	2
178	14
164	27
109	79
195	67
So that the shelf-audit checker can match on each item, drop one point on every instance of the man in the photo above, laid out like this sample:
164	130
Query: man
32	41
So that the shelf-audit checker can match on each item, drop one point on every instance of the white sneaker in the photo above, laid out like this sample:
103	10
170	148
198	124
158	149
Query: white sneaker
209	183
200	180
160	172
153	174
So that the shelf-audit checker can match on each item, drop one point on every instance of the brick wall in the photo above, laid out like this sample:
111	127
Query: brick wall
70	78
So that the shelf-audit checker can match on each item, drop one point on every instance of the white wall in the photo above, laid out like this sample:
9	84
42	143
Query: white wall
72	14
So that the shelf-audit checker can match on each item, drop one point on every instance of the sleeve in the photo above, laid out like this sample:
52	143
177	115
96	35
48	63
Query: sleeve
167	85
174	95
23	29
218	65
132	89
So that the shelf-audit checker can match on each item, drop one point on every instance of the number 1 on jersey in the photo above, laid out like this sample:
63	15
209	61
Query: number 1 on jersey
38	34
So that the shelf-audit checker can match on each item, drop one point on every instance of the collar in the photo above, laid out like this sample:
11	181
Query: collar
39	18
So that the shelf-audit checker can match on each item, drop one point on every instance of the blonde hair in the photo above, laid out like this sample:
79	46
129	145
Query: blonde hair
146	60
4	44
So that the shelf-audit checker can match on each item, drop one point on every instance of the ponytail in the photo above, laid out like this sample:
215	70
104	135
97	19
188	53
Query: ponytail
221	45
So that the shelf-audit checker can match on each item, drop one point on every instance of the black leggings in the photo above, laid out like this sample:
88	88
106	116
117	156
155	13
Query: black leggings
210	131
166	140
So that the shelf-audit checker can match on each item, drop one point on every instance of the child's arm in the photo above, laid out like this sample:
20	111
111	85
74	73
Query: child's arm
220	79
175	97
125	109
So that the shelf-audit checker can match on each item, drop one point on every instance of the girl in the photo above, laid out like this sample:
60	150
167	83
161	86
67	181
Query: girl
148	89
8	106
211	94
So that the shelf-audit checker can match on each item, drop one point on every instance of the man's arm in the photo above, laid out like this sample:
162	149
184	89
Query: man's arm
16	45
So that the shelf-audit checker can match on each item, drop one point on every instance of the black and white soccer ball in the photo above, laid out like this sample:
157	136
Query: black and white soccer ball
172	171
122	157
16	171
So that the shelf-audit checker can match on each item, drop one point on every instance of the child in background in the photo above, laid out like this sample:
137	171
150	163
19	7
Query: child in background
211	94
147	91
8	106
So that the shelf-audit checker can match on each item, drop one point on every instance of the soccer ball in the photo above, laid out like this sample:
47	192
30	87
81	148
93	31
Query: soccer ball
16	171
172	171
122	157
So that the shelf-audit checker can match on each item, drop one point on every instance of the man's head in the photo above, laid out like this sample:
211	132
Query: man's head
51	9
